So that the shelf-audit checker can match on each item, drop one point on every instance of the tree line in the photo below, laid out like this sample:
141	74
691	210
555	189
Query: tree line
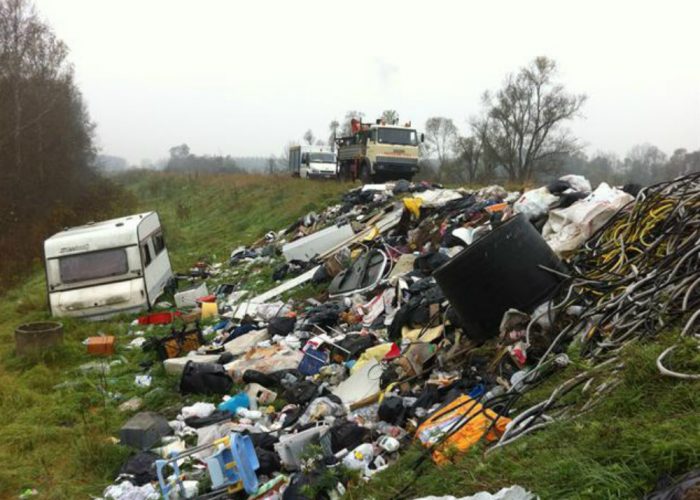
521	136
47	156
183	160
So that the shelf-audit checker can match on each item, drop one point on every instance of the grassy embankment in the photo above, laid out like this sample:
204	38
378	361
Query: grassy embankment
57	422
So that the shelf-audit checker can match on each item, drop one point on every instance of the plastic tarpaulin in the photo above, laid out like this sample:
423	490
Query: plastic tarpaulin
450	420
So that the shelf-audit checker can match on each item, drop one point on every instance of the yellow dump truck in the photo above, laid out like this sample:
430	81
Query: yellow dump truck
378	152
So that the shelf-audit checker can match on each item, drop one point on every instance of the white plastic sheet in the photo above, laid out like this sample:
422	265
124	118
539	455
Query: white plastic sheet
127	491
568	228
535	203
438	197
514	492
577	183
200	409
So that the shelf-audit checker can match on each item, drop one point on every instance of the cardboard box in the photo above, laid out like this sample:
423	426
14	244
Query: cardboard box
101	346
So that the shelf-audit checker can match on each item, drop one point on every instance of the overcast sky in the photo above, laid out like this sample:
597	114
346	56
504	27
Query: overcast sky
244	78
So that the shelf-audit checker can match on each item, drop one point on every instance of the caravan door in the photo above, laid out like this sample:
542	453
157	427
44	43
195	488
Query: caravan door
154	257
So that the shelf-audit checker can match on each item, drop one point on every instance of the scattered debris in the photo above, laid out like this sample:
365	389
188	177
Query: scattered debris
440	309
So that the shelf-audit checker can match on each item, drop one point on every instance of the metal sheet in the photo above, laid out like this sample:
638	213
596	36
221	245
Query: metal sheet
317	243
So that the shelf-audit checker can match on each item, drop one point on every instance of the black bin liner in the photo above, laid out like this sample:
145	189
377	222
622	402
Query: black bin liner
205	378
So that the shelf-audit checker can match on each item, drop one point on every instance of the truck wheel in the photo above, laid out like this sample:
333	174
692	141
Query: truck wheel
366	173
343	172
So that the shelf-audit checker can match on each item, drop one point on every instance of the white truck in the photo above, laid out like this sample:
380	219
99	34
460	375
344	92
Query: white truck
106	268
312	162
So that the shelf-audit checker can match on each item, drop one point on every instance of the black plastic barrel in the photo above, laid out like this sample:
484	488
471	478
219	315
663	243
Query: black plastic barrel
497	272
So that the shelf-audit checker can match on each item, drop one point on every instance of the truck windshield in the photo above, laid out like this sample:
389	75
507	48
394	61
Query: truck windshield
93	265
404	137
321	158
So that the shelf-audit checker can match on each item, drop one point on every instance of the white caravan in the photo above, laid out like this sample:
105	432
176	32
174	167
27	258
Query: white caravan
312	161
105	268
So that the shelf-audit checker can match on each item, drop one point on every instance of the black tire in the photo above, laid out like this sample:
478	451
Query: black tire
343	172
366	173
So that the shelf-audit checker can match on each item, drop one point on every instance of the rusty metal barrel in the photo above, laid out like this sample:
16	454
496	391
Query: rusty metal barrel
37	336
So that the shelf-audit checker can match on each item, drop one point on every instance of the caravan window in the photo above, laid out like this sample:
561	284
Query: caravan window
93	265
146	253
158	243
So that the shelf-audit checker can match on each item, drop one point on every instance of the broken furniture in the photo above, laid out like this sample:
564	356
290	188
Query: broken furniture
232	466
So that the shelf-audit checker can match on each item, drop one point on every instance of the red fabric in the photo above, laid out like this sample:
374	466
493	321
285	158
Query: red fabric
394	352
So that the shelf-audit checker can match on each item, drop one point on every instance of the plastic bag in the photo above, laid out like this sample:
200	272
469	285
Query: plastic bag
535	203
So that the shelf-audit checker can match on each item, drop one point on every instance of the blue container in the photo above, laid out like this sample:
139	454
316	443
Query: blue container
240	400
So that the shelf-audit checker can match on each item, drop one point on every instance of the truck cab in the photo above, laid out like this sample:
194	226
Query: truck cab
378	152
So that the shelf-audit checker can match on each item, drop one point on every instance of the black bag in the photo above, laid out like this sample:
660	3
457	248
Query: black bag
355	344
264	440
429	262
269	380
301	393
347	435
142	467
281	326
392	410
225	358
426	399
205	378
269	462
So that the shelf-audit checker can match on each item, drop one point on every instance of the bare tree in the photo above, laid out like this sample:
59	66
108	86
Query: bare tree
333	128
390	117
645	163
309	137
521	126
179	152
683	162
468	153
440	137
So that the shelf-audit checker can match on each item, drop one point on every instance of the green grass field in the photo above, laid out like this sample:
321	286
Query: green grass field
58	423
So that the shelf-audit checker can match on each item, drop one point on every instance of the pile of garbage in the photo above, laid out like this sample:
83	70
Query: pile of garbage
432	312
